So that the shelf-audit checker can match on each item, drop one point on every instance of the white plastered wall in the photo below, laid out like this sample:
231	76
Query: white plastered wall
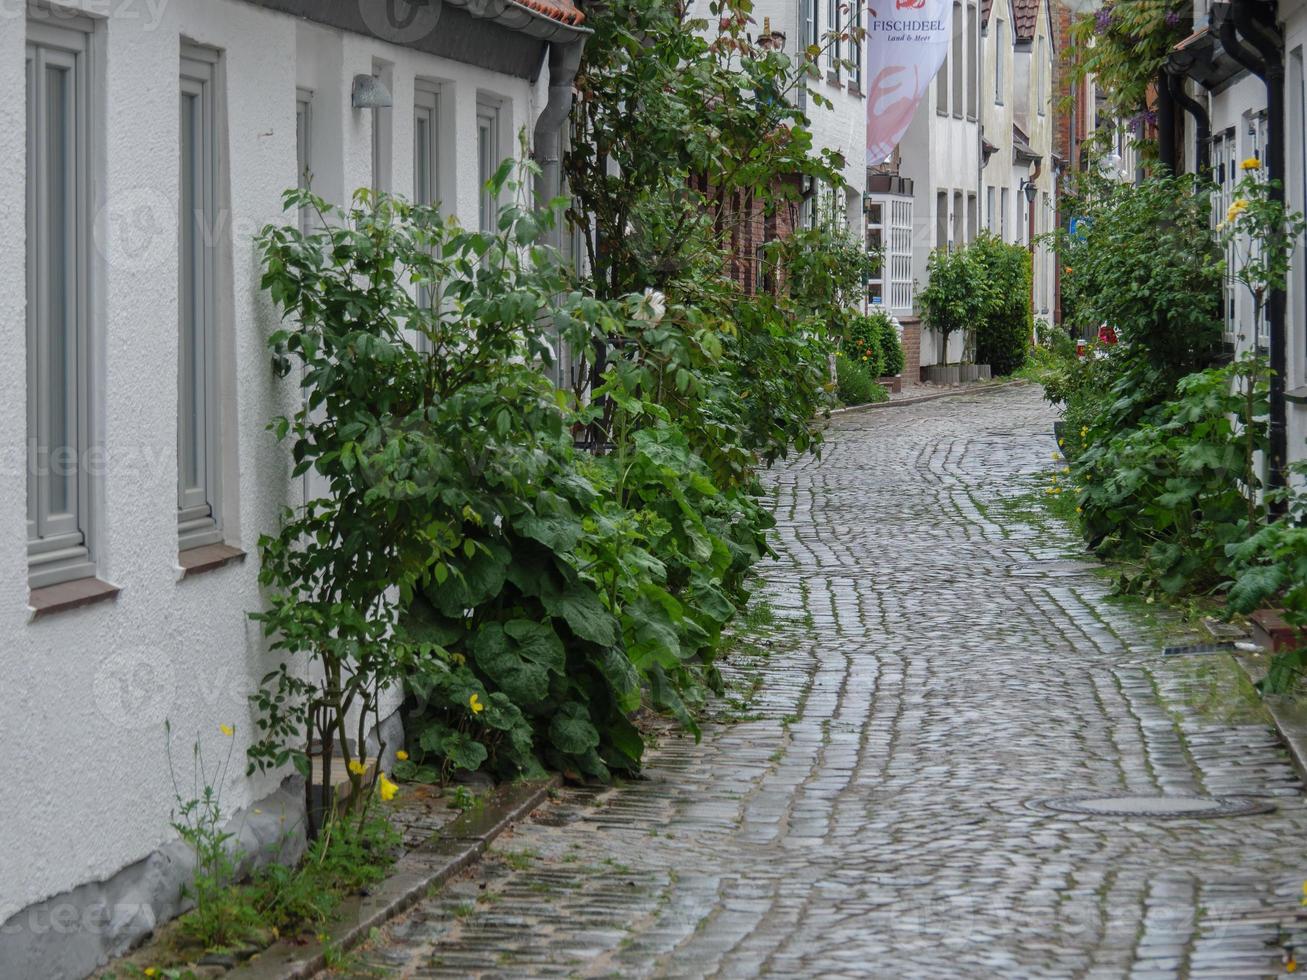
84	693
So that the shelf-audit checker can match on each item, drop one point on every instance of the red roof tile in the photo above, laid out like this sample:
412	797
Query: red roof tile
1025	16
561	10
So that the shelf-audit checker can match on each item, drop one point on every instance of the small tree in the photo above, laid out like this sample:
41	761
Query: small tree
957	297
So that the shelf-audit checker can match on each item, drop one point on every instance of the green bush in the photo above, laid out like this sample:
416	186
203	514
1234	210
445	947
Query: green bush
891	348
857	385
1175	491
1004	332
862	342
1145	261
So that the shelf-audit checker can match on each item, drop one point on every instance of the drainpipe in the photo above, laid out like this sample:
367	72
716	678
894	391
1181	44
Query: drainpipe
1271	61
564	60
1165	124
1202	123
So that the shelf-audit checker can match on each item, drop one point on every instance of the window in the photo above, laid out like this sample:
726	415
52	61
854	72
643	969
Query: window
488	160
811	33
198	470
973	224
1041	80
833	24
991	219
855	45
382	129
973	62
426	101
1002	213
959	218
942	86
1000	59
941	219
58	300
304	148
958	58
901	284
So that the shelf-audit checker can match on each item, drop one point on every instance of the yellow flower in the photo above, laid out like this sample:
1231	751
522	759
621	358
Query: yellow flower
387	788
1056	456
1084	431
1079	509
227	730
151	971
1066	469
1061	442
356	767
401	755
1252	163
1290	965
1236	209
475	704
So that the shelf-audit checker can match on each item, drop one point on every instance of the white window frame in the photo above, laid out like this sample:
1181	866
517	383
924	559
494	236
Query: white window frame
489	156
856	45
59	542
199	442
833	20
426	149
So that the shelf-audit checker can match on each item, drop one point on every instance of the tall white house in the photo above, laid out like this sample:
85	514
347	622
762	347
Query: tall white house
981	136
146	145
1019	172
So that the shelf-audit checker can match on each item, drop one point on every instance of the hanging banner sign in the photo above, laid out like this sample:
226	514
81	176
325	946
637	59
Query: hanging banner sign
906	44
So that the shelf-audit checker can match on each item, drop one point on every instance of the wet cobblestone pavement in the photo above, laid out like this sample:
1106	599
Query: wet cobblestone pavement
939	662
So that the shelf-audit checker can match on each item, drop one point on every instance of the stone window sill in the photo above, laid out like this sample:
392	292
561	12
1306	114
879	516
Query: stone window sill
833	78
51	599
208	558
1297	395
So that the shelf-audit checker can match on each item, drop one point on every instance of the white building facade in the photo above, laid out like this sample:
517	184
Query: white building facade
1019	171
155	140
1219	69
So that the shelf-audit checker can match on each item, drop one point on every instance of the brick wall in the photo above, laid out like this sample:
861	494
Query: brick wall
911	349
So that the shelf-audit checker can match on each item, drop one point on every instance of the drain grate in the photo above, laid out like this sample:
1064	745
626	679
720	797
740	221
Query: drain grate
1157	807
1195	648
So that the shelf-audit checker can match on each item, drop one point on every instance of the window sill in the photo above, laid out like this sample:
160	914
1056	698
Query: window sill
833	78
1297	395
51	599
208	558
855	89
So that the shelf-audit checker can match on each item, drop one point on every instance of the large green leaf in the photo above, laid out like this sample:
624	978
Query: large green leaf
582	609
524	681
571	730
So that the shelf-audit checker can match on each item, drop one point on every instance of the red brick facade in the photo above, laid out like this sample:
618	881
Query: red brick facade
911	350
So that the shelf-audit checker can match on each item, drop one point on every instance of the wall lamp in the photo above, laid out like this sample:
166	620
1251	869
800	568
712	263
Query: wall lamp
370	93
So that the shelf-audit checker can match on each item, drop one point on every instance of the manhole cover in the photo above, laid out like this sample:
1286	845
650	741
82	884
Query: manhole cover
1157	807
1197	648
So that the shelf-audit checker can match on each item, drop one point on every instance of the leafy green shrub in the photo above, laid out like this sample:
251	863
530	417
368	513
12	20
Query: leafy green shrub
1145	261
861	342
1004	332
857	385
891	348
1175	491
957	297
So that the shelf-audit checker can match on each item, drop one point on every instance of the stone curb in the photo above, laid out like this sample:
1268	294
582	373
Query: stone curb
454	847
917	399
1290	719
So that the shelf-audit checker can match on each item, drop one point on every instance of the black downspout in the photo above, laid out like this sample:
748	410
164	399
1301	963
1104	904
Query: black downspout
1165	125
1272	57
1202	124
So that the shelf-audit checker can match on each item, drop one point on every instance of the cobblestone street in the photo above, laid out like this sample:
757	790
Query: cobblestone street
939	661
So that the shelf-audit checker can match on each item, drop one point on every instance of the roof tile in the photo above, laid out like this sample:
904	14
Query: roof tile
1026	17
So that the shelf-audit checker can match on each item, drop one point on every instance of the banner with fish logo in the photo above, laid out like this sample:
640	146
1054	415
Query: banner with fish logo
906	45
